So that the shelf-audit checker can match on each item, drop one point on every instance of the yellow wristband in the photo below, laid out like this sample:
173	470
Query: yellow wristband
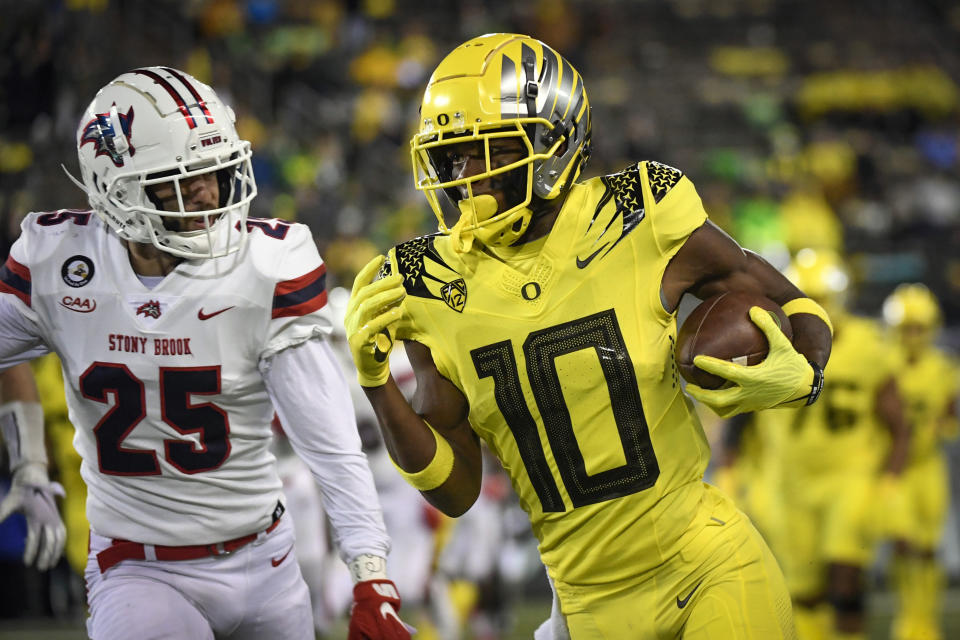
435	473
807	305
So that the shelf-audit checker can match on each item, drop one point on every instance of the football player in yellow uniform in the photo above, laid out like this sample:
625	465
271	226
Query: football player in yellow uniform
929	385
838	463
544	322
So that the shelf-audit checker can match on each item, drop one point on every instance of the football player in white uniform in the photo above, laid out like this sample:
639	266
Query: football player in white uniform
182	325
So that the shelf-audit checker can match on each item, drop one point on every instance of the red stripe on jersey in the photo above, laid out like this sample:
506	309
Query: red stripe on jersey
15	279
315	304
302	295
21	270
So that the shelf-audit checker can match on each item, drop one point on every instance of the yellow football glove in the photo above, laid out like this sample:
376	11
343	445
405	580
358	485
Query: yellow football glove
783	376
370	321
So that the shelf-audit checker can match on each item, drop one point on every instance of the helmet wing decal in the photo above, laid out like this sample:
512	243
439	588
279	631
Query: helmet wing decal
101	133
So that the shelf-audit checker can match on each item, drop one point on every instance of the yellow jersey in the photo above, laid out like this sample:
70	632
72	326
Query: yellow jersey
928	385
842	429
565	355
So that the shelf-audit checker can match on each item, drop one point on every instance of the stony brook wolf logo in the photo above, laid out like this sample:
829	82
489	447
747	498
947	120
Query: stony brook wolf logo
100	132
150	309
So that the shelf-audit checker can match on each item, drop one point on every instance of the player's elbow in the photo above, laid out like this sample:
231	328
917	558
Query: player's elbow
454	498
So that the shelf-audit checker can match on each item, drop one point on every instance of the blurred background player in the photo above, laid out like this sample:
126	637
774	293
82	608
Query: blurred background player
928	381
841	462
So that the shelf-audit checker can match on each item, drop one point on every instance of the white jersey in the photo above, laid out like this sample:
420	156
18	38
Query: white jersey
171	411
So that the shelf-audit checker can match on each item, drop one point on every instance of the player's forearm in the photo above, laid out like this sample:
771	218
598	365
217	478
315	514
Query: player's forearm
899	445
891	412
17	384
811	337
21	417
412	445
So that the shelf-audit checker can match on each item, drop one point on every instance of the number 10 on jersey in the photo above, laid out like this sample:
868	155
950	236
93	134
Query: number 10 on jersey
600	333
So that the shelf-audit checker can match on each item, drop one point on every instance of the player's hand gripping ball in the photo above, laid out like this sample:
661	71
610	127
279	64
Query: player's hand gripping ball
720	327
724	346
371	318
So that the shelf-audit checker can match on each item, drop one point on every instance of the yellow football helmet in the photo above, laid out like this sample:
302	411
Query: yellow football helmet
914	311
494	87
912	304
823	276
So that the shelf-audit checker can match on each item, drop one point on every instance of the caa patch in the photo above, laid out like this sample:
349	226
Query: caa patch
77	271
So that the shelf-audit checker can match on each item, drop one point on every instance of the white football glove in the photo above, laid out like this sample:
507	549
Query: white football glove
32	493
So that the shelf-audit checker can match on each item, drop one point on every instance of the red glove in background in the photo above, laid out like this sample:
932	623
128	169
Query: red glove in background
374	613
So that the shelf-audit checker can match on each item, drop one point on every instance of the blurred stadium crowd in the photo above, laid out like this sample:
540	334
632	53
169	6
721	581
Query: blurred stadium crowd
803	123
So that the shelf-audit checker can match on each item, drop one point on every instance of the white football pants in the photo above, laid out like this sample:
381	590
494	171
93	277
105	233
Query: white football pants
254	593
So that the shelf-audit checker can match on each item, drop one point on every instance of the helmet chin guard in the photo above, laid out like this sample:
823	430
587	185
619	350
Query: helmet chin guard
494	87
158	126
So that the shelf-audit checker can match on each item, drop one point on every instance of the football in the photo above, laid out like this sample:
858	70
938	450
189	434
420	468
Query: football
721	327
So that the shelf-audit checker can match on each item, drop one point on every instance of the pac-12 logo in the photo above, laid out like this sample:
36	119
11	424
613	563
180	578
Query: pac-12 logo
455	294
100	132
77	271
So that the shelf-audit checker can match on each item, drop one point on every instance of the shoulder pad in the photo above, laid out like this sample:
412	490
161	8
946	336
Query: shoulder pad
45	231
625	188
56	221
662	178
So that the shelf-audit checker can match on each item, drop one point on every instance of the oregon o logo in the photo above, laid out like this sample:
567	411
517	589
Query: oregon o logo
443	119
530	291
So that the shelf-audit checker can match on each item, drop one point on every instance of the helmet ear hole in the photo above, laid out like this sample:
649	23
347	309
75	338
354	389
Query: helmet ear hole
151	196
225	185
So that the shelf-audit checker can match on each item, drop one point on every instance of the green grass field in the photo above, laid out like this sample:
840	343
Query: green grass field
528	615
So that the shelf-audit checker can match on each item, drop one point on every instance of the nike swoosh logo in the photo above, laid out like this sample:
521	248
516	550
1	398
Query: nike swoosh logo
276	562
387	611
207	316
583	263
682	603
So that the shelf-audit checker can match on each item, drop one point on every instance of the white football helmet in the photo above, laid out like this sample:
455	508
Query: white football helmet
158	125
